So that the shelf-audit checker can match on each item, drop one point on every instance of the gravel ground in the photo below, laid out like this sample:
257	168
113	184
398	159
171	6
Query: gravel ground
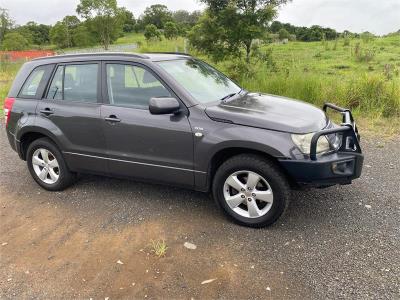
340	242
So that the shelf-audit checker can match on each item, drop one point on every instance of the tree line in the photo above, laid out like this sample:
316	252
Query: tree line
224	28
96	22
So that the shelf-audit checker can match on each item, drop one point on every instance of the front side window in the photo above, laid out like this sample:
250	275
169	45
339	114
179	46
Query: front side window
31	85
133	86
75	83
202	81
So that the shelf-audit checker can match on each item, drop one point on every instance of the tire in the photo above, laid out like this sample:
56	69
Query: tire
272	187
58	176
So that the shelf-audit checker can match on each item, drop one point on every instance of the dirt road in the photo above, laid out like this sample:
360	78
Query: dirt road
339	242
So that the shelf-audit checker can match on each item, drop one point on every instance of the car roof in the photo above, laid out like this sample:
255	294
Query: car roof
153	56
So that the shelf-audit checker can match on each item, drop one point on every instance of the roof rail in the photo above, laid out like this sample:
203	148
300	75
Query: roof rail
166	52
94	54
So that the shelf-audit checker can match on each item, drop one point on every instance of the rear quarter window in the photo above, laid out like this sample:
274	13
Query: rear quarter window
34	85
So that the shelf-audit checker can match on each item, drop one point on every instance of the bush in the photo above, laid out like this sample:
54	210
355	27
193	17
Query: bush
82	37
283	34
15	41
152	33
170	30
237	69
363	55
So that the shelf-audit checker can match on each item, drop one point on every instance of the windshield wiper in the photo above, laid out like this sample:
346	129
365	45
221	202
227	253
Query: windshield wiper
230	96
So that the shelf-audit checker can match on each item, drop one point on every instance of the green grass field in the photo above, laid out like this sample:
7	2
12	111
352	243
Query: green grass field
363	76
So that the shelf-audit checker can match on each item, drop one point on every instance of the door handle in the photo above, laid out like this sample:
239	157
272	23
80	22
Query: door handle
113	118
47	111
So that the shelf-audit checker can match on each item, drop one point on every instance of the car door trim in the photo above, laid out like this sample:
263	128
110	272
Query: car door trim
134	162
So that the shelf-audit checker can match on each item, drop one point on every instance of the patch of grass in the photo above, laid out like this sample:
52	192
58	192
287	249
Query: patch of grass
159	248
7	74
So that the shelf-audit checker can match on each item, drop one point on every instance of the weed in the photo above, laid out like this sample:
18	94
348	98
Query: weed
318	55
334	48
342	67
159	248
361	55
388	71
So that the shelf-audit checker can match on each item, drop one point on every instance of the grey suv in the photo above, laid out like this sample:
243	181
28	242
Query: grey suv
173	119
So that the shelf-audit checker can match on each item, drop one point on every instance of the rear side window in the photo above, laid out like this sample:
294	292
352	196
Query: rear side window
35	80
55	90
75	83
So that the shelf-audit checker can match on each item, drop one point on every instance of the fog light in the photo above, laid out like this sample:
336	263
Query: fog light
343	167
338	168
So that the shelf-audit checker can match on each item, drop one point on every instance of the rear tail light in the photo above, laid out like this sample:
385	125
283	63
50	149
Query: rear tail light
8	104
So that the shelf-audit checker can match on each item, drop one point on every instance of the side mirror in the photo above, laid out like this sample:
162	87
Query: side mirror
163	106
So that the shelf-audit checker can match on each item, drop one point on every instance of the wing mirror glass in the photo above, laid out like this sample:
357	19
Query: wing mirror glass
163	106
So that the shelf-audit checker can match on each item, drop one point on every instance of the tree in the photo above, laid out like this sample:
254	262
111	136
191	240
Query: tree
170	30
59	35
276	26
81	37
229	27
71	23
6	23
15	41
284	34
157	15
152	33
129	21
37	34
186	18
103	17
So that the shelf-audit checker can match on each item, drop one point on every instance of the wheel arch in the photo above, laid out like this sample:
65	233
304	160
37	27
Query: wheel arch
30	135
223	154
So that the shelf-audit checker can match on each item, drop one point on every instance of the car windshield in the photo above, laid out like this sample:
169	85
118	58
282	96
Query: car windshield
202	81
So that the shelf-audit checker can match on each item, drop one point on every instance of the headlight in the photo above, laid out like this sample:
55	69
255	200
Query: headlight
303	142
336	141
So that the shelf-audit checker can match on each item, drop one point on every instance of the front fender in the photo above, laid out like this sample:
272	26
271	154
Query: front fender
225	136
218	136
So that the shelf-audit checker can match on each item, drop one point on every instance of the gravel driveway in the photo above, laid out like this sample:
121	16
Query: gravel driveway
93	240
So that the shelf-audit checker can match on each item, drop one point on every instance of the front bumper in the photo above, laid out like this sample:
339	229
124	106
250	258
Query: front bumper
337	168
340	167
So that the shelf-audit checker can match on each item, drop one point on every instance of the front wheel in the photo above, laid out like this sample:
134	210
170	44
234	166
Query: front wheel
47	166
251	190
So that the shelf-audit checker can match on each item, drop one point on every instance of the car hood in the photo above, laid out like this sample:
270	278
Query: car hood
269	112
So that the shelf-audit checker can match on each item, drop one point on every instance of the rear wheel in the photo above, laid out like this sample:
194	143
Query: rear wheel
251	190
47	166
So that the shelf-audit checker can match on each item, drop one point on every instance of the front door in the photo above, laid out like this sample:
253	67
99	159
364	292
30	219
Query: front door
150	147
71	111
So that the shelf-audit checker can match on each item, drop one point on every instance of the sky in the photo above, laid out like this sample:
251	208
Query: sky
378	17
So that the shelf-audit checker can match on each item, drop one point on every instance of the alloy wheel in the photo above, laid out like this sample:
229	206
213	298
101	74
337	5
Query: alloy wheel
248	194
45	166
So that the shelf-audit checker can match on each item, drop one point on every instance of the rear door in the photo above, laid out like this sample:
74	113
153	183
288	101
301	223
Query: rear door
142	145
71	110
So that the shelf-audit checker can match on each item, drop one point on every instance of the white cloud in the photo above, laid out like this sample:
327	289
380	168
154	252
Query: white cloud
378	17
